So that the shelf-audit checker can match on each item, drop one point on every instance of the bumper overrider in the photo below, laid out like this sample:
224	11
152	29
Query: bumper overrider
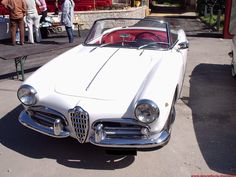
55	130
114	133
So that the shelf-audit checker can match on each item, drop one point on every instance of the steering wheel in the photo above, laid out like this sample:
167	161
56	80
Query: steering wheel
147	37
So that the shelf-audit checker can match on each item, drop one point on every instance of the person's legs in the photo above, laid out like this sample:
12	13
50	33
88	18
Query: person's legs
70	34
13	26
36	26
44	15
17	36
29	22
21	25
56	8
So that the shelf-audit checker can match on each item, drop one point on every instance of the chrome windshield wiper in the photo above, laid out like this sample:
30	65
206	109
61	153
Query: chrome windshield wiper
100	46
103	45
152	43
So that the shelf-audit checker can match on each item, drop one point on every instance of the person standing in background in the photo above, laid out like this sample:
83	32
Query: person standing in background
32	20
56	7
17	10
18	36
43	10
67	18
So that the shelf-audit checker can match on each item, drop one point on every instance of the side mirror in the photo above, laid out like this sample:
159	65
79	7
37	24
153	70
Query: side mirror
183	45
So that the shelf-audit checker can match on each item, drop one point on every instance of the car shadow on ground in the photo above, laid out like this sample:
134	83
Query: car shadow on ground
67	152
212	99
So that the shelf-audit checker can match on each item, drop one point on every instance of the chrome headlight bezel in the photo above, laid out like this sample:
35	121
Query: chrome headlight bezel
27	95
146	111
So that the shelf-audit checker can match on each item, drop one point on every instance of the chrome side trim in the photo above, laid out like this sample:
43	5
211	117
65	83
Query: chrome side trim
26	120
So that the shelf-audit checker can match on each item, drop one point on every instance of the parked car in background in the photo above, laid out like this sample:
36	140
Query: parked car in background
118	89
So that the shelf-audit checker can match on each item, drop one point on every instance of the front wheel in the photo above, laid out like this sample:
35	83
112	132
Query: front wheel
171	118
172	114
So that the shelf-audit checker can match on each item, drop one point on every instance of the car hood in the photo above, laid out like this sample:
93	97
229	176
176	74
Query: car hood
104	73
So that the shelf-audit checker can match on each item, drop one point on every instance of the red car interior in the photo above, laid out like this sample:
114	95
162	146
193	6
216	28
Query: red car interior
134	35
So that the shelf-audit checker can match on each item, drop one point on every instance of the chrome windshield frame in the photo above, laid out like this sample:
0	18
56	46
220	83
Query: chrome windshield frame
138	19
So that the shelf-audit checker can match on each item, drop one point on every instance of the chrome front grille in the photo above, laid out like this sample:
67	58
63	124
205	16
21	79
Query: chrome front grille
80	123
45	116
121	128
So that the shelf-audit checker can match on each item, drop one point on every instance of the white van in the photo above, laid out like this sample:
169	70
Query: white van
232	30
233	55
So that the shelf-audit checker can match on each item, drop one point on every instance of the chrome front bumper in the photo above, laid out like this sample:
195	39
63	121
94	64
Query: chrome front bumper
56	130
135	135
121	137
153	141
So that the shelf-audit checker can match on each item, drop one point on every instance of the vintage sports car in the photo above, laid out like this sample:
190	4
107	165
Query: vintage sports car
118	89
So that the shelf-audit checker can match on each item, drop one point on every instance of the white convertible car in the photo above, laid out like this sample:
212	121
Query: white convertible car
118	89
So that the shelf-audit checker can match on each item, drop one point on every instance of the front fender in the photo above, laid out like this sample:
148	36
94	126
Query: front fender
161	86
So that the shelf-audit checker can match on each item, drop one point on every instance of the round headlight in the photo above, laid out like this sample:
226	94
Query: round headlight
26	94
146	111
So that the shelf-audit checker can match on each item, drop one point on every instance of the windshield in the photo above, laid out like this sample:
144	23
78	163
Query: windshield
129	33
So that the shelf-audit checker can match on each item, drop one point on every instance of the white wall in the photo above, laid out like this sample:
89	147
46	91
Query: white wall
87	18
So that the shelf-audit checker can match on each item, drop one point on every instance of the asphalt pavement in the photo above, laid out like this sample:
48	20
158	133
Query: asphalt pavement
58	41
203	135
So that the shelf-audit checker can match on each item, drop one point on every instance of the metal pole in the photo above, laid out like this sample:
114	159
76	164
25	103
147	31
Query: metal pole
211	14
218	20
205	10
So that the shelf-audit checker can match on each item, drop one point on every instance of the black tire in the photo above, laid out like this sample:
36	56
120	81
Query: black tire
172	114
171	118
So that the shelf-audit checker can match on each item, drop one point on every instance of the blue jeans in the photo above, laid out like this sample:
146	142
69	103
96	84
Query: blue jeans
70	34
